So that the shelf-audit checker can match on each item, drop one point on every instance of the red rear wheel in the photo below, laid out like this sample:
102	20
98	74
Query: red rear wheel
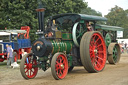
28	66
93	51
59	66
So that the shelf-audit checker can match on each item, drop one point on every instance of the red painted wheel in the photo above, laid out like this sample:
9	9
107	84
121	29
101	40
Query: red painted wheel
59	66
1	59
28	66
93	51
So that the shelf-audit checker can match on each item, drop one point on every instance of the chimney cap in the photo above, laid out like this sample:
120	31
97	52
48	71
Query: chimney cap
40	9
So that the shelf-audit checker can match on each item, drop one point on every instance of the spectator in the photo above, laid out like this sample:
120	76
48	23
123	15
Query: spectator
122	46
9	56
125	45
11	48
5	28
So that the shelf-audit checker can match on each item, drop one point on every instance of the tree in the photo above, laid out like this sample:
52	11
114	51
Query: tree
54	7
90	11
17	13
118	17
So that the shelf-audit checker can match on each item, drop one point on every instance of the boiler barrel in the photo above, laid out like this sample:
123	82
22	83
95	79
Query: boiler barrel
61	47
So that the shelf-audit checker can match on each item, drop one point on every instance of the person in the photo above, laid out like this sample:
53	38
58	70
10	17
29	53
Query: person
9	56
89	27
50	34
23	52
5	28
122	44
11	48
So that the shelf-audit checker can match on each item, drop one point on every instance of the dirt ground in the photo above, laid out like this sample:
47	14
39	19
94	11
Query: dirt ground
111	75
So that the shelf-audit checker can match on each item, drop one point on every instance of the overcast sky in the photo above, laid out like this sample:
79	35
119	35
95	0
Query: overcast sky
104	6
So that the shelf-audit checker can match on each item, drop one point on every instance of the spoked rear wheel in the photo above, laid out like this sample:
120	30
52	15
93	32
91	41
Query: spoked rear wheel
28	66
59	66
114	53
93	51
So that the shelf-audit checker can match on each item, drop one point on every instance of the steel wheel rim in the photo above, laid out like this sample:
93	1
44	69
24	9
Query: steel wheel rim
97	50
61	66
30	71
115	54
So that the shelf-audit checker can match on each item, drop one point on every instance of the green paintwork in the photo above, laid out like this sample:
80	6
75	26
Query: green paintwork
115	53
107	39
82	21
69	60
61	46
43	63
66	36
112	28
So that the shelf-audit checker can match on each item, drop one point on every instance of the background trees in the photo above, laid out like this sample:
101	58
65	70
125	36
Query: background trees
118	17
17	13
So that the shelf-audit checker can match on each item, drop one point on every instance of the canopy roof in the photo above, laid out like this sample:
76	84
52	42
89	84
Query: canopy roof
106	27
77	17
14	31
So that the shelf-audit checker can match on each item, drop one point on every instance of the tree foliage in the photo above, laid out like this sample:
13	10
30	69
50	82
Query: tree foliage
91	11
63	6
118	17
17	13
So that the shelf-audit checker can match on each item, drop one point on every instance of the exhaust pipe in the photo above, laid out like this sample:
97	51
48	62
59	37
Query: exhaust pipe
40	13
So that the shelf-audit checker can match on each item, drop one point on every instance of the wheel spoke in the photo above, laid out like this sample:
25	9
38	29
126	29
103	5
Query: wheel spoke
97	40
26	71
32	71
60	60
100	51
78	36
99	58
61	72
25	67
99	45
97	62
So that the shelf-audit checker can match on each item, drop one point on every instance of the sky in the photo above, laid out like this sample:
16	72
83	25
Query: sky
104	6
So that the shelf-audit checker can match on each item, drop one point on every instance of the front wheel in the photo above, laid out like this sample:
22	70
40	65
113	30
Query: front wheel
28	66
59	66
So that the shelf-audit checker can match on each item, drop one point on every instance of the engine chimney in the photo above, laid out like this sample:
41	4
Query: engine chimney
40	13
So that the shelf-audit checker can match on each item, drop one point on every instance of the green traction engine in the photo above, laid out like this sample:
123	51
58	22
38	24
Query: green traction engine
65	42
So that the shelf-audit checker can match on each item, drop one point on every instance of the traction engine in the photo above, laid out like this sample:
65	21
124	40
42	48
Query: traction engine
64	43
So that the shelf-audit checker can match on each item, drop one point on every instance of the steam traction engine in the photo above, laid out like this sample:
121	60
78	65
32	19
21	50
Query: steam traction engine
18	39
66	43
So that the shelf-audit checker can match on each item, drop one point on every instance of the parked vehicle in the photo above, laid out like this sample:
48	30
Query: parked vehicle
19	41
